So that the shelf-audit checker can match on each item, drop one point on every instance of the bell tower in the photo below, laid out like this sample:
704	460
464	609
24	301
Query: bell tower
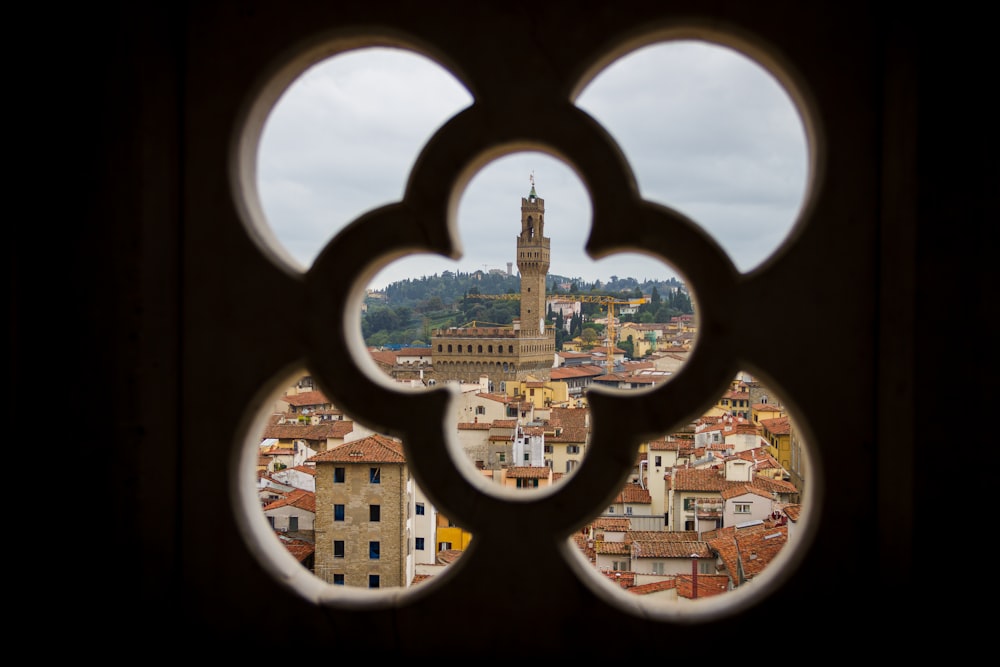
533	262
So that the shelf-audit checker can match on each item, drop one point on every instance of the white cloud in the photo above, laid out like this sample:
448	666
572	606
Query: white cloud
707	132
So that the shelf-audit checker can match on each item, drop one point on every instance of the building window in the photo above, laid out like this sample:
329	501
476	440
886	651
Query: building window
373	550
420	509
373	581
418	543
658	461
339	474
572	449
611	510
628	510
658	567
338	512
338	579
689	504
444	546
502	458
527	457
480	409
374	475
338	548
742	508
293	523
374	512
527	483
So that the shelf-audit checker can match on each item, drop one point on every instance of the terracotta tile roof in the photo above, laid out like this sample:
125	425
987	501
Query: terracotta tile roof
609	523
777	426
306	468
709	585
447	556
571	372
499	398
474	426
633	493
759	457
655	587
748	549
663	535
773	485
504	423
384	357
568	434
713	479
698	479
300	549
759	549
583	544
605	548
306	398
740	490
624	579
792	511
375	448
528	472
568	417
658	549
293	430
666	445
414	352
298	498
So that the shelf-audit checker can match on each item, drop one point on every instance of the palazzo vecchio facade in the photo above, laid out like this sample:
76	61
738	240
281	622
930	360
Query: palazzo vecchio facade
526	348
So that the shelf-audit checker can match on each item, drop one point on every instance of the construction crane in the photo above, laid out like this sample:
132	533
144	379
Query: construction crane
608	302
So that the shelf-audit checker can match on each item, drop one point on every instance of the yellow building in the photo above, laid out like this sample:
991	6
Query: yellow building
777	432
540	393
449	536
735	401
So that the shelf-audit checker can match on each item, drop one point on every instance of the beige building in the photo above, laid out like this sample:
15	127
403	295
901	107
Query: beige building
365	504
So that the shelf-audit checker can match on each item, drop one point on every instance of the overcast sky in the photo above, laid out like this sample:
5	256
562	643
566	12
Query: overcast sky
707	132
